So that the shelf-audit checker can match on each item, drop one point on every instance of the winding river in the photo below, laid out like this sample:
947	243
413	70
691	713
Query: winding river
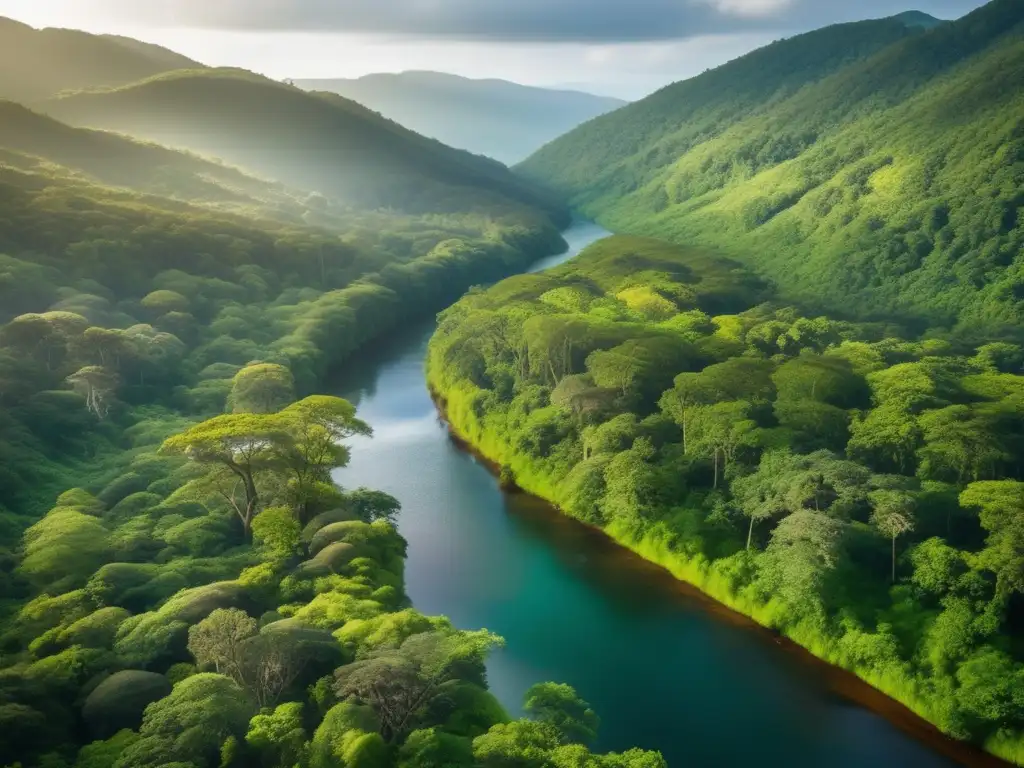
664	668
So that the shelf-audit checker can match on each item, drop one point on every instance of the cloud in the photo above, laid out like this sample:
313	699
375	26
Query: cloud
512	20
750	8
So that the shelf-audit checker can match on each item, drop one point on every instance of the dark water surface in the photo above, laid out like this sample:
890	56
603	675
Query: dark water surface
662	669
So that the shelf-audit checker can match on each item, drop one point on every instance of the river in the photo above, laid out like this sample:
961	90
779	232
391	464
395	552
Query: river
664	669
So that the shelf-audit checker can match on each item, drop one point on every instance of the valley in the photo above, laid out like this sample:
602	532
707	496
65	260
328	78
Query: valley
419	420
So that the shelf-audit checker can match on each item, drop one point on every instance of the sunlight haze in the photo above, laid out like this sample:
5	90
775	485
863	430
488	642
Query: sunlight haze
601	47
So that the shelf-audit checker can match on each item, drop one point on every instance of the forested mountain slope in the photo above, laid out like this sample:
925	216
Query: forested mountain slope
891	186
503	120
617	152
36	64
116	160
317	142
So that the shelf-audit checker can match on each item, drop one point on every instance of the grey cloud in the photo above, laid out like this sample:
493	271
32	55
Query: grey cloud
524	20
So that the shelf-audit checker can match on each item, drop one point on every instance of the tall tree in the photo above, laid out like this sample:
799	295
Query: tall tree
316	427
399	683
220	639
246	446
804	549
893	515
720	430
97	385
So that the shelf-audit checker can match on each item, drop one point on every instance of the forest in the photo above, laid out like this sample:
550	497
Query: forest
181	582
852	485
805	397
872	169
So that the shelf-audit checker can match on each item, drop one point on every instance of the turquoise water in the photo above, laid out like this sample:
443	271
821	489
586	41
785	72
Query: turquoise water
662	671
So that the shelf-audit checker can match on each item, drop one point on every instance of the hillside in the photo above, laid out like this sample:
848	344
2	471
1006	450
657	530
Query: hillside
317	142
37	64
872	185
503	120
130	324
118	161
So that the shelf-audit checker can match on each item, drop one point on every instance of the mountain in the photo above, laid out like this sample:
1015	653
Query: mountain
113	160
36	64
918	19
317	142
503	120
871	169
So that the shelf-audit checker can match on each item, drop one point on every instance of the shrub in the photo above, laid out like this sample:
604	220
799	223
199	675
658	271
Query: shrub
120	700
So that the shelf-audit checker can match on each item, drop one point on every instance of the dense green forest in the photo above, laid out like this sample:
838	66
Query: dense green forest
853	486
873	169
503	120
183	585
37	64
181	582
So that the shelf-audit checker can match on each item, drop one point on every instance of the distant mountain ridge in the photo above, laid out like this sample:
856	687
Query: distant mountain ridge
316	142
873	169
37	64
28	138
497	118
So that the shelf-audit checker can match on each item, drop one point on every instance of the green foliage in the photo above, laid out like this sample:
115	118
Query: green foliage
104	754
277	531
431	748
97	630
832	162
119	701
278	737
560	706
63	548
261	388
190	724
388	630
799	469
398	683
347	732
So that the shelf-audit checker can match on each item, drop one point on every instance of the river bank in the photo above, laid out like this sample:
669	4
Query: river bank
570	382
662	670
724	607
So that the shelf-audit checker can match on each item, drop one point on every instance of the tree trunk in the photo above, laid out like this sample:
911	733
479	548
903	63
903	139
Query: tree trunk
251	503
893	559
750	532
715	486
684	433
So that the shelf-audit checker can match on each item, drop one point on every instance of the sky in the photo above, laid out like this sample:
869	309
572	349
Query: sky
624	48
